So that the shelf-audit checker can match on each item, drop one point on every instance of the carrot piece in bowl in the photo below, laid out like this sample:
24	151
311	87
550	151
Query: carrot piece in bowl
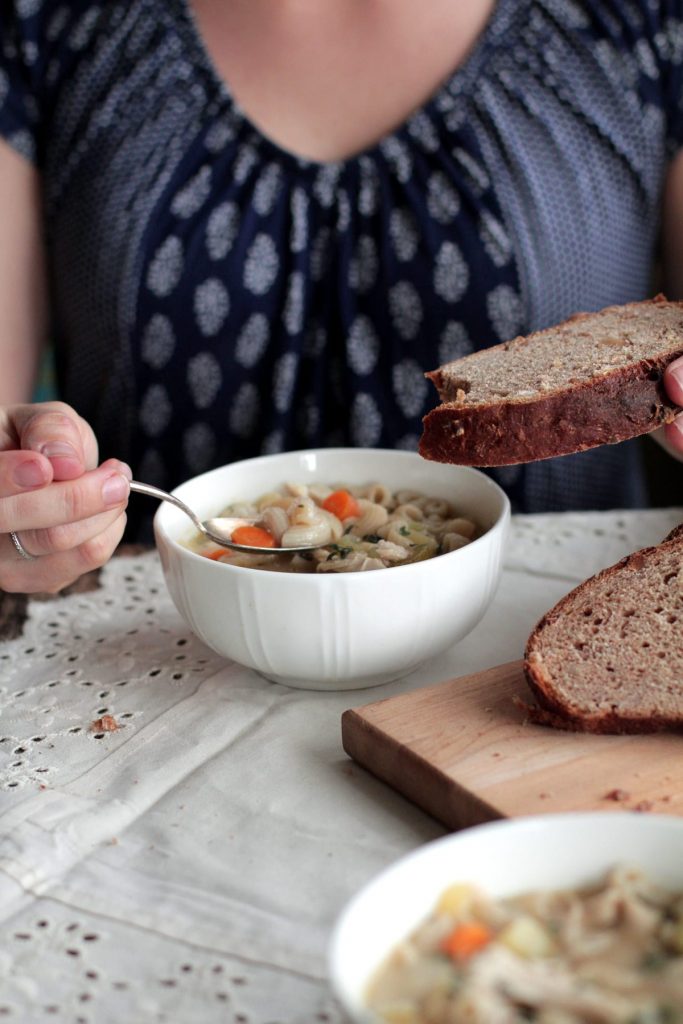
341	504
253	537
466	939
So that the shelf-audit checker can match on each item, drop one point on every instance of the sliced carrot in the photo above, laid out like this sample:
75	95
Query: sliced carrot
253	537
466	939
341	504
216	555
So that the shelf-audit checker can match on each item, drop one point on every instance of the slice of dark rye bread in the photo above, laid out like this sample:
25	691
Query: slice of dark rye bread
594	379
608	658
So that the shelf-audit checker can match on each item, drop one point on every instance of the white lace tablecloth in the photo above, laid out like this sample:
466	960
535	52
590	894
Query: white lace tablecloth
189	866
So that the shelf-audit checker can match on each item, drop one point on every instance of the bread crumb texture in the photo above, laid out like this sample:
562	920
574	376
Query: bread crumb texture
609	656
580	350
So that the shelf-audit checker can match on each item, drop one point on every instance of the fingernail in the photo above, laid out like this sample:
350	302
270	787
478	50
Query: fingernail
58	450
126	470
30	474
115	489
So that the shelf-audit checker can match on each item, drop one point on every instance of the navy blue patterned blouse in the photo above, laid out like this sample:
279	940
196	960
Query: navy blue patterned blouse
216	297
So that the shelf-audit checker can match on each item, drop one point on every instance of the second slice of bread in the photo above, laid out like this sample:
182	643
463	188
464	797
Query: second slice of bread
594	379
609	656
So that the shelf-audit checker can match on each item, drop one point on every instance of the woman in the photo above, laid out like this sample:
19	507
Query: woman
231	269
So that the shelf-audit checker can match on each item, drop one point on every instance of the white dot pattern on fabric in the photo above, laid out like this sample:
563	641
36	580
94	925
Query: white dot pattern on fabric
158	341
252	340
293	315
368	192
56	23
364	265
410	386
245	410
27	8
495	239
505	311
193	196
404	234
451	273
423	130
309	416
221	230
23	142
211	306
299	211
199	447
408	443
30	53
273	442
284	380
166	267
315	340
405	307
478	178
443	202
204	378
454	342
267	189
80	36
325	184
398	157
362	346
343	212
646	59
152	469
366	421
261	265
220	134
155	411
320	254
247	159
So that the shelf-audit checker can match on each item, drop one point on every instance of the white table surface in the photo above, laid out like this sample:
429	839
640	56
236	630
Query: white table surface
189	867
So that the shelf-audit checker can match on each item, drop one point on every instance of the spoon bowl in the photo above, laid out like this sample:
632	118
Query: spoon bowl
221	528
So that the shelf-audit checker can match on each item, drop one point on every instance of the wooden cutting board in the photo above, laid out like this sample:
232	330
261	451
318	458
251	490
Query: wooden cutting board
465	753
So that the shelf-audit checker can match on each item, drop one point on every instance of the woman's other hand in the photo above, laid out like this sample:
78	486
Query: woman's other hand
69	512
673	382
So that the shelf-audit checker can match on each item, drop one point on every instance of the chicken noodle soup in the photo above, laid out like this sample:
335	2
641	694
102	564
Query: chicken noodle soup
611	954
356	528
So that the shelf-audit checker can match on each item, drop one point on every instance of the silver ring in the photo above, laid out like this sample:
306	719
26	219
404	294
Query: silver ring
21	549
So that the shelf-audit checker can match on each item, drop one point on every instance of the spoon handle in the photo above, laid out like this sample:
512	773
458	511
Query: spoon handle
156	492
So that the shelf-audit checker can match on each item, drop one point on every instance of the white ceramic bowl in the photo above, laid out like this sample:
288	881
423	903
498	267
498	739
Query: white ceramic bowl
504	858
334	631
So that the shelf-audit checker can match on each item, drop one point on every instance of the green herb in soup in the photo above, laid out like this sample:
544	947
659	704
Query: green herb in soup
355	528
610	954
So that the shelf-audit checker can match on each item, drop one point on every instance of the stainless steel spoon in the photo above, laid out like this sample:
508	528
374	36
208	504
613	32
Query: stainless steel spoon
218	530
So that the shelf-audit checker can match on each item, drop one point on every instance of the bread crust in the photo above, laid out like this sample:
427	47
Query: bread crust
616	406
556	712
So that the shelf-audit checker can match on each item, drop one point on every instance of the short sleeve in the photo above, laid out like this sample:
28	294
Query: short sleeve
19	57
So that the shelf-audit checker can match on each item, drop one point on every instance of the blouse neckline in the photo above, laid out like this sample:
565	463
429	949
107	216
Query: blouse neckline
458	83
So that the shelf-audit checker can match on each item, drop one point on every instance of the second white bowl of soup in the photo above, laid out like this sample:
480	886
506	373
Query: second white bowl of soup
322	628
558	919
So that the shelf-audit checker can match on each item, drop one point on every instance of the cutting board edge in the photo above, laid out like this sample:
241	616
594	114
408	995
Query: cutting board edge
412	776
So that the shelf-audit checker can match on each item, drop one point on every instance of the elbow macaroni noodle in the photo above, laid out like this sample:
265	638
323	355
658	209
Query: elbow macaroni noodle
392	528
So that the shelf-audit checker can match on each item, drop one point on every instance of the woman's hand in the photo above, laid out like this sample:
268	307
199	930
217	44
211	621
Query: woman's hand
673	382
69	512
